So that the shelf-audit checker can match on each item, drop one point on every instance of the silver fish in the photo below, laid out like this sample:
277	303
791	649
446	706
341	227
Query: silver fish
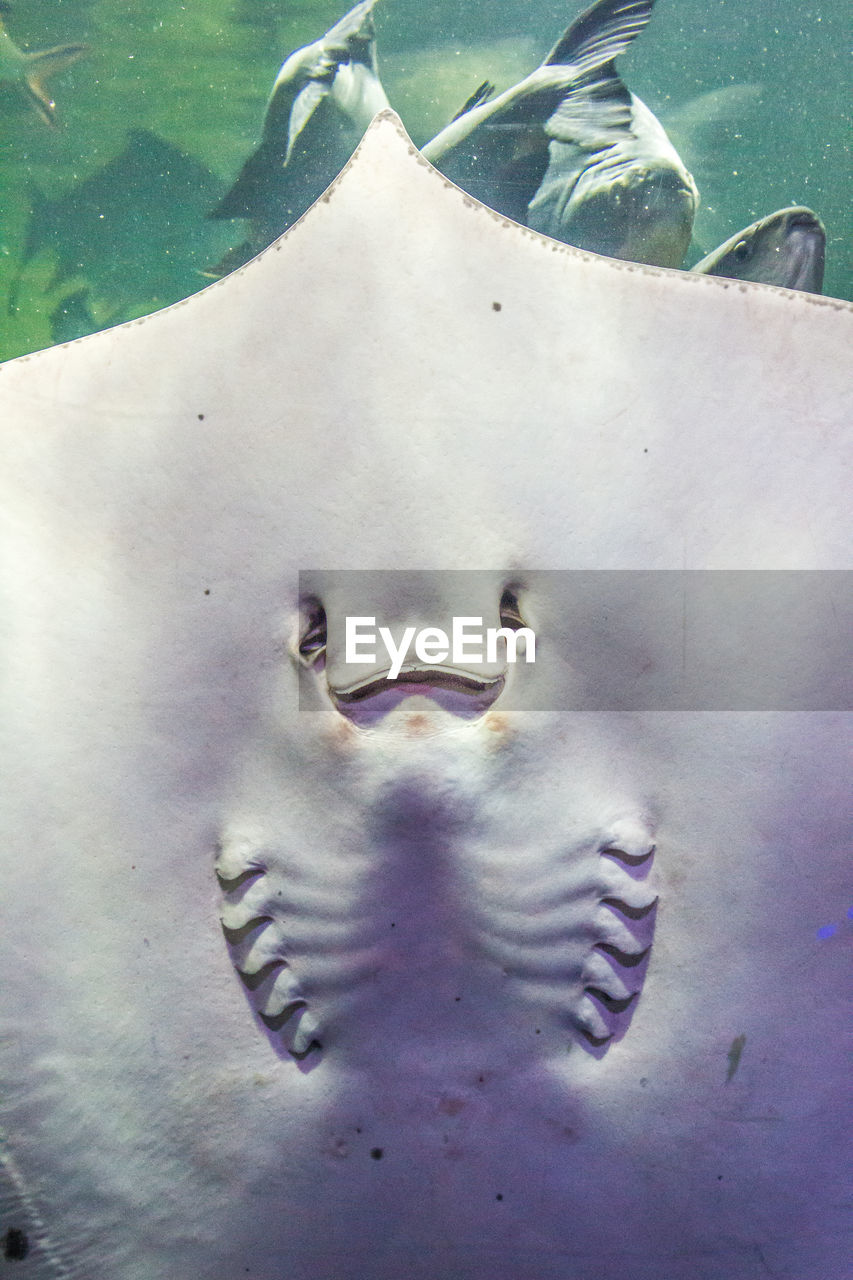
31	70
572	153
323	99
786	248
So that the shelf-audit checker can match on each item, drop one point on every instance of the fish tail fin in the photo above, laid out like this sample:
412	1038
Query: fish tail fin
353	39
597	105
600	34
40	66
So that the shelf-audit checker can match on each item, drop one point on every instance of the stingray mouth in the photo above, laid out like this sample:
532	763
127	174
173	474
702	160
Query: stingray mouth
434	677
459	692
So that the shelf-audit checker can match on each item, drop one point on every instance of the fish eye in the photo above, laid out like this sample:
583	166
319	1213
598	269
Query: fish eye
312	639
742	250
510	610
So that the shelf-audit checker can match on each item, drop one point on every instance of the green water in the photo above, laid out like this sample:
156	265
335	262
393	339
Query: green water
104	217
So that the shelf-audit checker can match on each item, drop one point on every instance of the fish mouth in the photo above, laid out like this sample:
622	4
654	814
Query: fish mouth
804	218
459	692
805	236
809	258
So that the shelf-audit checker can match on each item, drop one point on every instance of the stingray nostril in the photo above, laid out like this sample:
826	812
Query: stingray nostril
313	633
510	610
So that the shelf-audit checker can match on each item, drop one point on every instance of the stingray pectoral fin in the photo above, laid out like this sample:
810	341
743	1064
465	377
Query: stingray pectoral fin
40	66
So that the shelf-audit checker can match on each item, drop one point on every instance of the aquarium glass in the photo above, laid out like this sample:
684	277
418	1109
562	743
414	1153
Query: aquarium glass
107	195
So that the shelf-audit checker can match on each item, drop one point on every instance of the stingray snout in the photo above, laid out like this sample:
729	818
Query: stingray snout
372	643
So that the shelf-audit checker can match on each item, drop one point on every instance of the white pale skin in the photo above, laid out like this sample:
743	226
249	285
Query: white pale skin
408	381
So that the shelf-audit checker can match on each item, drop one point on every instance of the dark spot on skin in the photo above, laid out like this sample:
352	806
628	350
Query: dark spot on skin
451	1106
499	1196
376	1153
734	1056
457	998
496	306
16	1246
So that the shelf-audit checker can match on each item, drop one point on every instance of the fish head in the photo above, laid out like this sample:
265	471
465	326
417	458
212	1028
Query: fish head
784	249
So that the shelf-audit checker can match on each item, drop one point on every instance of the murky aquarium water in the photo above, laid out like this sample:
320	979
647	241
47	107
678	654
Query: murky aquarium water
127	126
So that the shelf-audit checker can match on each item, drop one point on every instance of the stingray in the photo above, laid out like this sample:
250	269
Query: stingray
451	989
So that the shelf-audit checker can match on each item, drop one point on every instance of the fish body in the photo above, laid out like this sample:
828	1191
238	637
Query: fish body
570	152
31	71
323	99
787	249
93	231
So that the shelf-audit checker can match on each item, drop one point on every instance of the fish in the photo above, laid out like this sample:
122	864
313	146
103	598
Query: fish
30	71
323	98
93	229
571	153
787	249
416	991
